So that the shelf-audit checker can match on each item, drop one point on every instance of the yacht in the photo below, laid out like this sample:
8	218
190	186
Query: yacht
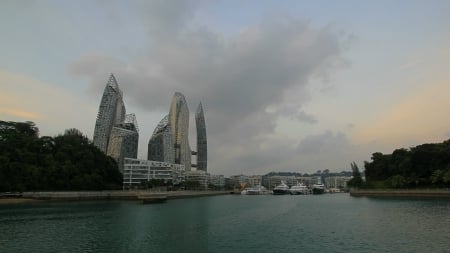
256	190
298	189
281	189
318	188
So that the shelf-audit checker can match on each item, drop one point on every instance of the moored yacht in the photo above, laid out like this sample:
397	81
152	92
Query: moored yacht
281	189
299	189
318	188
256	190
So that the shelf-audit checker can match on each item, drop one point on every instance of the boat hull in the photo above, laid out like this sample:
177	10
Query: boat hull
280	192
318	191
298	192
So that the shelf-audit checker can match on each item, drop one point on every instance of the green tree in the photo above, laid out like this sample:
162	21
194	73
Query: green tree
356	180
65	162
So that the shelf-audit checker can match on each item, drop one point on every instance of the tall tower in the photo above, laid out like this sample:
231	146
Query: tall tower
160	145
202	148
124	140
110	112
115	133
179	123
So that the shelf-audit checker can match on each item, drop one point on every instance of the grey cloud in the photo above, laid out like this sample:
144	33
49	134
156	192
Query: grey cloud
324	143
236	77
329	150
305	117
166	19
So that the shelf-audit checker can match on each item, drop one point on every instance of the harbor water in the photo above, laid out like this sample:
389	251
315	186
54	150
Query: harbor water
230	223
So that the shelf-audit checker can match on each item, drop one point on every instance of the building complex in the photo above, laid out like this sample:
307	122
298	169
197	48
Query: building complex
116	133
169	153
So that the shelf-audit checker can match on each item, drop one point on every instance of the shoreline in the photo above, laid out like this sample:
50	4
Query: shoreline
43	197
402	193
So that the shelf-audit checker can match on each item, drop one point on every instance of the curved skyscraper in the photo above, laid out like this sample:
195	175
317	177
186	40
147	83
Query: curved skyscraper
161	146
124	140
110	112
202	150
179	123
115	133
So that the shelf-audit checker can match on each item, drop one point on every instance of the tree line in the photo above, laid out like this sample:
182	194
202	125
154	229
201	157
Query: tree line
426	165
68	161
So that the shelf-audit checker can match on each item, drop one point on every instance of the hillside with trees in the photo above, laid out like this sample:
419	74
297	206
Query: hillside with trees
65	162
426	165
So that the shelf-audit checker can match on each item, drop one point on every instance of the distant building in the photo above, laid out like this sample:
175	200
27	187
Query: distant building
170	141
274	180
217	181
202	148
336	182
138	172
116	133
161	146
179	123
198	176
111	112
240	181
124	141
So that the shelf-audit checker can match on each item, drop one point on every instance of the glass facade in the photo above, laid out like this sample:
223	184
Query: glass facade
116	133
160	146
124	140
111	111
202	149
179	123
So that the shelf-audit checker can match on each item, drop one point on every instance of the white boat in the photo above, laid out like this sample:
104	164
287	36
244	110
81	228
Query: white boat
318	188
256	190
281	189
299	189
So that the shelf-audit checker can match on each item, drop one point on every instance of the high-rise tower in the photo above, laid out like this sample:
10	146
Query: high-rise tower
111	112
124	140
115	133
161	146
202	150
179	123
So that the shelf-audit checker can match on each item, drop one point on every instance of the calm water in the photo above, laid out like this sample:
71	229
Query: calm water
325	223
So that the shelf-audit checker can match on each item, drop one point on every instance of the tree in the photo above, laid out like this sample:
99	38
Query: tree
65	162
356	181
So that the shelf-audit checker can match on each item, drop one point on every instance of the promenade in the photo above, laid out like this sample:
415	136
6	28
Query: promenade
30	197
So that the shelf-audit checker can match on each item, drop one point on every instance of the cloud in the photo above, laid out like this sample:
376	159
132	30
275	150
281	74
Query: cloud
235	77
421	116
15	113
326	142
330	150
52	109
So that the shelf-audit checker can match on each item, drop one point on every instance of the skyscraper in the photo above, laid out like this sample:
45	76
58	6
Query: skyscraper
115	133
179	123
111	112
124	140
161	146
202	150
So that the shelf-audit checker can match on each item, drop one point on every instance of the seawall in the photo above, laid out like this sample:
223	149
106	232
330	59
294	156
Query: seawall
403	193
107	195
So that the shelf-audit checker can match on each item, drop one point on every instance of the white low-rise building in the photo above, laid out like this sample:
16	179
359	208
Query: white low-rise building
137	171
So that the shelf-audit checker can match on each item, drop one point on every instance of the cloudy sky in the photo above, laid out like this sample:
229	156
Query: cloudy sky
285	85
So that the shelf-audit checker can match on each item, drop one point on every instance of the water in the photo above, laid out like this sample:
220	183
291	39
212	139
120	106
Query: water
325	223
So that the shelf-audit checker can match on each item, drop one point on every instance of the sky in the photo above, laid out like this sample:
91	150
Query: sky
288	85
